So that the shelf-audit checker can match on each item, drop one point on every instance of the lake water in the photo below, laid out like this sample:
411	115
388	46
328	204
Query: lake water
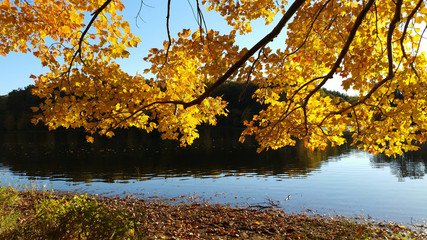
343	181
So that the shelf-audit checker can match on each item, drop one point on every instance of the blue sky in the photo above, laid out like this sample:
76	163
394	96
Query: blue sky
16	68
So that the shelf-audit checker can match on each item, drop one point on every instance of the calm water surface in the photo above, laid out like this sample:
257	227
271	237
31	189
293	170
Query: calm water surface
341	180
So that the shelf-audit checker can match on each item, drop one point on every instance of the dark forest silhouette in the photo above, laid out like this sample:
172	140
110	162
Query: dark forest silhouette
15	112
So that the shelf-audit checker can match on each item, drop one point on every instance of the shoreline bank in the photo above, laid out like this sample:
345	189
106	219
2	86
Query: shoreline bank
39	214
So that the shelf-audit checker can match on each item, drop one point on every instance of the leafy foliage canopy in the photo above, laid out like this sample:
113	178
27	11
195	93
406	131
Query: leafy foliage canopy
373	45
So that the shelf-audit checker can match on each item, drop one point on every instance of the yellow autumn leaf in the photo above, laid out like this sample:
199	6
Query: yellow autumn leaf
186	33
165	45
89	139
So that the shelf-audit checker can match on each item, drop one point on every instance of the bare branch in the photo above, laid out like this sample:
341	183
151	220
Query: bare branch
138	15
255	63
168	31
201	20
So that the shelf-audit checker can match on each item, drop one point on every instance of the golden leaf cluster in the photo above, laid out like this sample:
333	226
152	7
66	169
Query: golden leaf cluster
373	46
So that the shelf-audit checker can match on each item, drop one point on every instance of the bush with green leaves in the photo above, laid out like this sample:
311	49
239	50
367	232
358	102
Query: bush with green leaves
81	218
8	216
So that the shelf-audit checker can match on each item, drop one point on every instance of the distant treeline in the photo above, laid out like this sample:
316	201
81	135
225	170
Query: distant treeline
15	112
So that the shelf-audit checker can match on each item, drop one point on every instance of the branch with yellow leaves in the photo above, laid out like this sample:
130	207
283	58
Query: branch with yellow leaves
405	29
268	38
78	52
340	58
391	71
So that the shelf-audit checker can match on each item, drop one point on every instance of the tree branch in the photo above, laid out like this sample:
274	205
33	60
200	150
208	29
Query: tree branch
341	56
248	79
168	31
92	20
393	23
390	75
269	37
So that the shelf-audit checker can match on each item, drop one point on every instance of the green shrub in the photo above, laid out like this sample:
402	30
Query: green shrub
7	197
8	217
81	218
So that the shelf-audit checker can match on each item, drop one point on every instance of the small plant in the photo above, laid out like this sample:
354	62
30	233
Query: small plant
81	218
8	217
7	197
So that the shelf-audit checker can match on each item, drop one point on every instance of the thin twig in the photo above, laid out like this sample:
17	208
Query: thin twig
201	20
309	31
256	62
138	15
168	31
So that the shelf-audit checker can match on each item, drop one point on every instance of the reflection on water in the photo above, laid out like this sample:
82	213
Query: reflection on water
131	155
410	165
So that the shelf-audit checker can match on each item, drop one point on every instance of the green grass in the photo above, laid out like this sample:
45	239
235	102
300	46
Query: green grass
8	216
81	218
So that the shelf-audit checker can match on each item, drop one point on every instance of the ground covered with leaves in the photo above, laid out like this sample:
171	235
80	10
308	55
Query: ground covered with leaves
53	215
